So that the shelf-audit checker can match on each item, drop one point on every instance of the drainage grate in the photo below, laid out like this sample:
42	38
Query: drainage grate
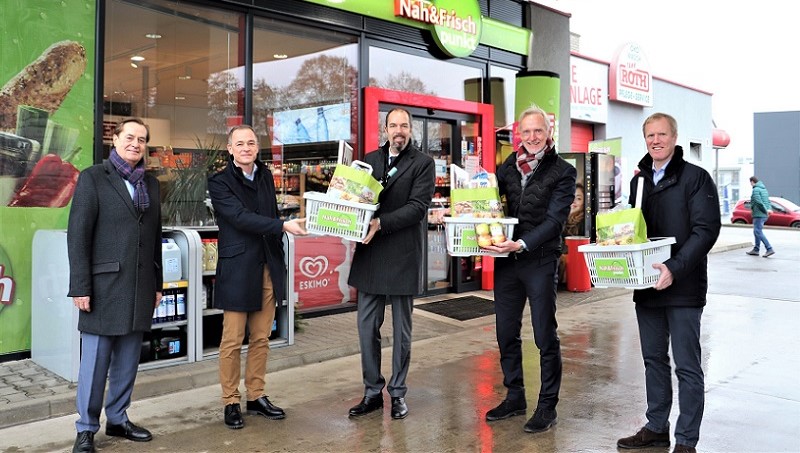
460	308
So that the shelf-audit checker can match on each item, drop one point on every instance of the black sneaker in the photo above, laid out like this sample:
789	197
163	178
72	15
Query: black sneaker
542	420
506	409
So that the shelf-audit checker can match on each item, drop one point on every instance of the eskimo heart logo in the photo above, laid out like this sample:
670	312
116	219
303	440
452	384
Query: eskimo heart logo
313	267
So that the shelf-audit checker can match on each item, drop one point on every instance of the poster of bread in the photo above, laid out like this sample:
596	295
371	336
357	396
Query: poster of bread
47	77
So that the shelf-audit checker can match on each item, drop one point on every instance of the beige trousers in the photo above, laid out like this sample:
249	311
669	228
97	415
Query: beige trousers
230	347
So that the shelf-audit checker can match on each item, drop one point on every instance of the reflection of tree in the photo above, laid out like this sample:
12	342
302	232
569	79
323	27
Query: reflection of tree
223	90
320	80
403	82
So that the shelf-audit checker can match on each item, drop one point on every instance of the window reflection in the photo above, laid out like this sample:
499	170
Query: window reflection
402	72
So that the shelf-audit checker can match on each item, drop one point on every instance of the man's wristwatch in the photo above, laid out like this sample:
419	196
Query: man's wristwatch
522	246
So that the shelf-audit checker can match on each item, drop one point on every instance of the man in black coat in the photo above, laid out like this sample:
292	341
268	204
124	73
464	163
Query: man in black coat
250	271
679	200
539	187
387	266
115	280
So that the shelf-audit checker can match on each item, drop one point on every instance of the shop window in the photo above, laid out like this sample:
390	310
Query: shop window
305	86
177	67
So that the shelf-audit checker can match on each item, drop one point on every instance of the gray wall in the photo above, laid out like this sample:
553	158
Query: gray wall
776	151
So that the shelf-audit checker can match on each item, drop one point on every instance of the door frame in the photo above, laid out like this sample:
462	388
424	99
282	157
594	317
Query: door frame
484	114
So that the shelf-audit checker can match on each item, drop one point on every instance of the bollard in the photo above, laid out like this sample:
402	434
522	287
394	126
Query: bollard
578	279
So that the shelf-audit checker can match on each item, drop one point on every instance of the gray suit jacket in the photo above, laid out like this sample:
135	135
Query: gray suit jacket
114	252
392	263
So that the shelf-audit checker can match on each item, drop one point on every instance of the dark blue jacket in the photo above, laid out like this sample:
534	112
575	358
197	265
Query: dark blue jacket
683	205
250	235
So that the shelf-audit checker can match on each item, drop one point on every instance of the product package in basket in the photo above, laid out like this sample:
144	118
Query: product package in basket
626	266
474	195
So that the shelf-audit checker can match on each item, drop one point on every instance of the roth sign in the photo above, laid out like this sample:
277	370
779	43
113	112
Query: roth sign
630	79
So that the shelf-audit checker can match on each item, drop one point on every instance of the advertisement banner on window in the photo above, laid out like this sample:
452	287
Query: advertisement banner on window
46	137
321	269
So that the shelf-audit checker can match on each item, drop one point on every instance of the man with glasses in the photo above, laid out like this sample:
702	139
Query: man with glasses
539	187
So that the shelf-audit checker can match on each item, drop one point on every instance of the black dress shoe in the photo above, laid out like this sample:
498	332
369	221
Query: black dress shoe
263	407
367	405
542	420
129	431
84	442
399	408
233	416
506	409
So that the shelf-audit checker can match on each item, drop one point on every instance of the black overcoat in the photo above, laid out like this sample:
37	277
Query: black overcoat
114	252
392	263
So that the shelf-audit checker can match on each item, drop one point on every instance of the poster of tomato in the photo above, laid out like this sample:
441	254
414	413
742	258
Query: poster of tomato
46	137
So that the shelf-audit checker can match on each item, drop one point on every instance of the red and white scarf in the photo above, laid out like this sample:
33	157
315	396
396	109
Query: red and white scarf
527	162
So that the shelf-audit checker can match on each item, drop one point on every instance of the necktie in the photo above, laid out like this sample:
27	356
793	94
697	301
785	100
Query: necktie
391	160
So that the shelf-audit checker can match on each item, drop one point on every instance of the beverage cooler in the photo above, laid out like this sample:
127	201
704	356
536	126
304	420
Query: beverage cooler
598	176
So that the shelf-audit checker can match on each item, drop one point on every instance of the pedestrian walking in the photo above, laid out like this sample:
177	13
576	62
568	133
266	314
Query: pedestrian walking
760	208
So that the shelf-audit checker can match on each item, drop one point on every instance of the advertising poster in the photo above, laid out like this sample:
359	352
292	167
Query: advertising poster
543	89
321	270
313	124
46	137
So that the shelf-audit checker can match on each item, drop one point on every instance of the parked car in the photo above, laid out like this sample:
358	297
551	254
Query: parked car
784	213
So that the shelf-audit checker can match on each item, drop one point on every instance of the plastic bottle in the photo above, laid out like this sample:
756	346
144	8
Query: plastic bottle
170	306
162	308
180	305
170	260
302	132
322	125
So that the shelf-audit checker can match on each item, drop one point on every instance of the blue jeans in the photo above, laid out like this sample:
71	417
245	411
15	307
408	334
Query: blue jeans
758	232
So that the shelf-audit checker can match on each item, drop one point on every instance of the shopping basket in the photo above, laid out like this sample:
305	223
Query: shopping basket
333	217
461	237
626	266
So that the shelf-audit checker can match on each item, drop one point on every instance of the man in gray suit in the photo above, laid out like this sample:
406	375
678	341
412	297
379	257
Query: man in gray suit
114	246
386	266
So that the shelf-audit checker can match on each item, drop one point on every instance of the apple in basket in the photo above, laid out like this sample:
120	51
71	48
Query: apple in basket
497	233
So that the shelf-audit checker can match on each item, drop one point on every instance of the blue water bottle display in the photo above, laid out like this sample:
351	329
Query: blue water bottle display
322	126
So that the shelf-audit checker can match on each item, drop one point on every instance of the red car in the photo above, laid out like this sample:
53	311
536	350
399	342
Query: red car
784	213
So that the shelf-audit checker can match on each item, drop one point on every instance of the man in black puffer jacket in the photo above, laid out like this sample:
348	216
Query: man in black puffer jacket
679	200
539	187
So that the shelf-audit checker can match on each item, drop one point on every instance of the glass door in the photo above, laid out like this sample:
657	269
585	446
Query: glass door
449	138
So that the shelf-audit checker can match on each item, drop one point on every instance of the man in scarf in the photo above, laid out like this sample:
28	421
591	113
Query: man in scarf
114	246
539	187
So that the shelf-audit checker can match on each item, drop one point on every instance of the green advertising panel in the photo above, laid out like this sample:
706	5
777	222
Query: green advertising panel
612	268
339	220
542	88
46	137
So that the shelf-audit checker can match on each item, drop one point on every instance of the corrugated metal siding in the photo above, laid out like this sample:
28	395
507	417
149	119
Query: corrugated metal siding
507	11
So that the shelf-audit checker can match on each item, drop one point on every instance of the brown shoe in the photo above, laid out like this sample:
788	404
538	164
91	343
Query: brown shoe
680	448
644	439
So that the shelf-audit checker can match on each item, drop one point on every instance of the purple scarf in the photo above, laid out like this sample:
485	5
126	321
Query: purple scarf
135	176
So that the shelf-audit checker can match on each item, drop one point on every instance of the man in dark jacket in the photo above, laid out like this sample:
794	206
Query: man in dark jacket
539	187
115	280
679	200
387	265
761	208
250	271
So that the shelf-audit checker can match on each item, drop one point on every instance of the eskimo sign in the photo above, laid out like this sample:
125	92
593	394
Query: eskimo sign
456	23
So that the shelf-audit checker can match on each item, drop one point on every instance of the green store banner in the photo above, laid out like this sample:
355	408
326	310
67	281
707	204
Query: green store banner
46	137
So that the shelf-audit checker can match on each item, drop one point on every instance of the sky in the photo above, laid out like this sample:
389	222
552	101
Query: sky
745	54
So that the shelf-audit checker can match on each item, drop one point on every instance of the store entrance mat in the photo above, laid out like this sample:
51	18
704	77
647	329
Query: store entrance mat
460	308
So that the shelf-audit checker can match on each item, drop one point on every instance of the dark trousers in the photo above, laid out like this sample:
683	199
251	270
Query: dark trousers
681	326
515	283
112	357
371	308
